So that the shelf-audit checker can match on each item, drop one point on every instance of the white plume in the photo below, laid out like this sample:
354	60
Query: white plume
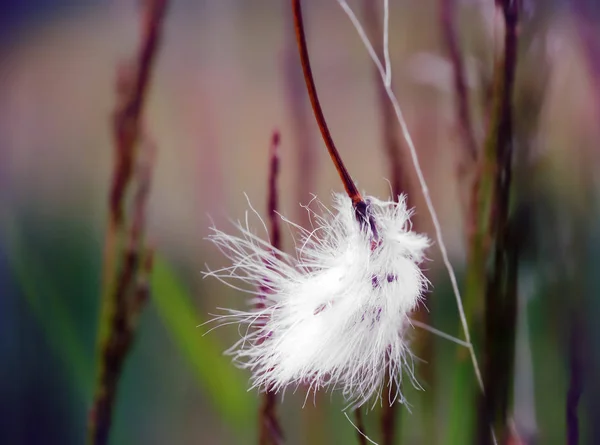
335	315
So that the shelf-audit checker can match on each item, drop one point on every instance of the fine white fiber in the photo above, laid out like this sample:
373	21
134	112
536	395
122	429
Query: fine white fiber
335	315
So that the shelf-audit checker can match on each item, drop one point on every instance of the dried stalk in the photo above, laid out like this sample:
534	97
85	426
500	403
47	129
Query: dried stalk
349	184
489	203
587	13
450	35
468	172
301	131
581	363
360	427
131	90
576	377
127	261
270	432
476	203
501	300
130	295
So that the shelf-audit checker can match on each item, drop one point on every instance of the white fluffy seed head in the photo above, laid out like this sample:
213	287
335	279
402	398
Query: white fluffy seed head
333	316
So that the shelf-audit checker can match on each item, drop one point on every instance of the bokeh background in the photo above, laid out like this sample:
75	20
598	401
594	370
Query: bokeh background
227	76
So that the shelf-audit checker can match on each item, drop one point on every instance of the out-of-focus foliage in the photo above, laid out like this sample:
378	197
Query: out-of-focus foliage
224	384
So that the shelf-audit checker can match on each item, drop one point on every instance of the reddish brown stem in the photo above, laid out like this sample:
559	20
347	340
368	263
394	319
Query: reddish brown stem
459	76
360	425
125	266
388	418
349	185
500	304
273	198
576	374
270	432
587	13
301	129
132	89
130	295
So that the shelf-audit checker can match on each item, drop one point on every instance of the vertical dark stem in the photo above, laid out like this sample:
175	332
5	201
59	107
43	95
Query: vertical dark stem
360	434
467	167
301	129
273	198
349	185
587	13
575	378
450	36
126	259
501	301
270	432
132	89
129	297
388	415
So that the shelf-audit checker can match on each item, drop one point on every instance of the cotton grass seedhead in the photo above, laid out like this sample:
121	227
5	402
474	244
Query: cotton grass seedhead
334	315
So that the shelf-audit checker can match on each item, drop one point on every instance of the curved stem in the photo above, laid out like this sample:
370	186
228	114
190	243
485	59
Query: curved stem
349	185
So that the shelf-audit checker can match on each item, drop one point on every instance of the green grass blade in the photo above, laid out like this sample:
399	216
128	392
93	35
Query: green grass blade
43	298
225	385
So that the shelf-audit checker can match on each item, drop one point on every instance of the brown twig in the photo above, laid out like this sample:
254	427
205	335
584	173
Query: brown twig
349	185
273	199
132	89
459	77
576	375
127	261
270	432
130	295
360	426
301	130
587	13
468	165
388	415
501	301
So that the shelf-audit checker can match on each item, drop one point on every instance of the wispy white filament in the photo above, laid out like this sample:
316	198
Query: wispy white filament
386	78
359	431
335	315
386	43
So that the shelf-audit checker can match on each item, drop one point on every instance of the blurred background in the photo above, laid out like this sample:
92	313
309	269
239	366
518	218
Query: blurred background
226	77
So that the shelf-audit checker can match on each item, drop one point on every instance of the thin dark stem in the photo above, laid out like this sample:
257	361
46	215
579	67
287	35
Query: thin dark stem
132	87
388	415
360	425
301	133
126	259
132	91
460	84
468	171
575	380
270	432
129	297
587	13
501	301
273	199
349	185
